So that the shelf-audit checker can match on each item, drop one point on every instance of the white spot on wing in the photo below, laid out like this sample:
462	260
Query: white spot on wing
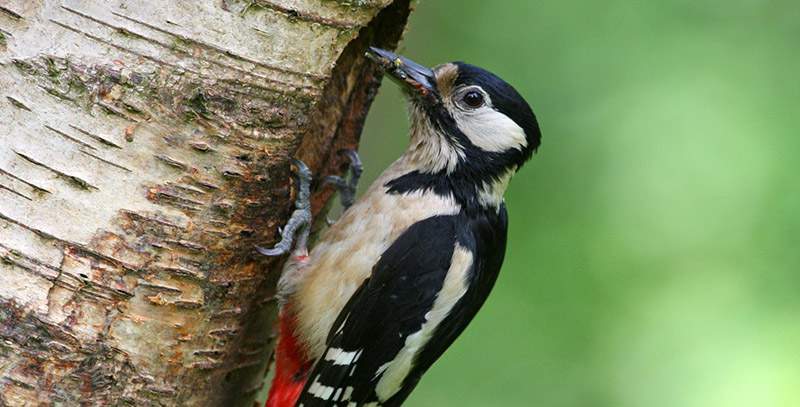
340	357
320	391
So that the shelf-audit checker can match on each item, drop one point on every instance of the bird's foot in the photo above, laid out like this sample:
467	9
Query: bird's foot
299	224
347	186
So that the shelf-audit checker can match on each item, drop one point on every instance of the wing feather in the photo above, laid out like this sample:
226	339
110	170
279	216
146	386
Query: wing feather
394	303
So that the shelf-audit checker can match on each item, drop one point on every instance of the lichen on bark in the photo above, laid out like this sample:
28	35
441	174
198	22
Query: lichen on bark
144	150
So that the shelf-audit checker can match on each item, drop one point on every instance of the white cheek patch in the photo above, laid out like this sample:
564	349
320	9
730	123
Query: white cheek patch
491	130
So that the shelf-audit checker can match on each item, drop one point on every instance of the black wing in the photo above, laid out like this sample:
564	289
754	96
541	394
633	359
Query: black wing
485	236
392	305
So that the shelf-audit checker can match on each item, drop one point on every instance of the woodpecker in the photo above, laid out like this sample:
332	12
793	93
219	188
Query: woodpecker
390	285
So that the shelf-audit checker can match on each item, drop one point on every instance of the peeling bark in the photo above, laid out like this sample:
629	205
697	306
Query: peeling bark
144	150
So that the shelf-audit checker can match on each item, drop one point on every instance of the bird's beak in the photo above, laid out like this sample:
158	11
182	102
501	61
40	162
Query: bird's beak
413	77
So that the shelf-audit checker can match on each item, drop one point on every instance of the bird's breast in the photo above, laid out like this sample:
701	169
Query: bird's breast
346	253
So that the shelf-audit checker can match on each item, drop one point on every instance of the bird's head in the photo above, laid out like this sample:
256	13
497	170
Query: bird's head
466	123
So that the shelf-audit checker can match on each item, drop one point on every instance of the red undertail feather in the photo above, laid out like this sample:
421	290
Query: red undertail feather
291	366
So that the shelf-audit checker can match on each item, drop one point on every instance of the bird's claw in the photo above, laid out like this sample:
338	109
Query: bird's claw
275	251
347	186
299	224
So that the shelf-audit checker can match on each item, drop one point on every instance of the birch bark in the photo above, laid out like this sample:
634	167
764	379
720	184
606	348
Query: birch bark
144	150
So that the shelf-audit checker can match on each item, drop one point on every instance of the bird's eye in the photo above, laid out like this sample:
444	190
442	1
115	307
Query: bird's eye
473	99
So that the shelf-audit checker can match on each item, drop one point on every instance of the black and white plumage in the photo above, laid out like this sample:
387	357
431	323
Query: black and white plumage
393	283
424	289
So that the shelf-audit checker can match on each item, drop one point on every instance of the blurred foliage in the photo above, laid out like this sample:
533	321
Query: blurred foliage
653	257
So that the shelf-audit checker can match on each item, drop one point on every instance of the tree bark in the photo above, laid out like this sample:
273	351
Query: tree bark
144	151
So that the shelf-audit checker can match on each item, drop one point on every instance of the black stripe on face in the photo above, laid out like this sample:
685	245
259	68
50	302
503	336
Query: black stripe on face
476	169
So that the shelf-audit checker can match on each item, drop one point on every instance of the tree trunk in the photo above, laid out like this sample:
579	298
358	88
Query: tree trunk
144	151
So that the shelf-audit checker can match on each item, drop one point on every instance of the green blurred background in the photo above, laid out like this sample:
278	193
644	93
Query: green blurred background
653	257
